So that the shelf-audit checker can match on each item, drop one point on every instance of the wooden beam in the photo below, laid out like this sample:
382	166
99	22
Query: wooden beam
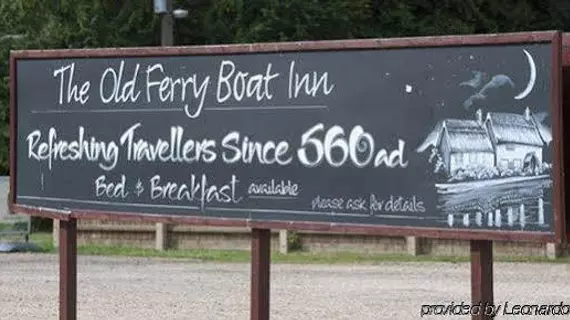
482	278
68	269
260	265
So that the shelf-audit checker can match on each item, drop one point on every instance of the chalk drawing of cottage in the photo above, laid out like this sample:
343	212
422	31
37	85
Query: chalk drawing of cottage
518	140
502	140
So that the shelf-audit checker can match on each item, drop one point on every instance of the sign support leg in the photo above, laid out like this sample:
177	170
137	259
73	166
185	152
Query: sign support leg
482	278
68	269
260	261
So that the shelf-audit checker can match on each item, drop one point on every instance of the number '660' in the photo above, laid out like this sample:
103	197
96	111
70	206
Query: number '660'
336	149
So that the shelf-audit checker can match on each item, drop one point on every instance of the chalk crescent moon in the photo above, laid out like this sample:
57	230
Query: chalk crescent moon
532	79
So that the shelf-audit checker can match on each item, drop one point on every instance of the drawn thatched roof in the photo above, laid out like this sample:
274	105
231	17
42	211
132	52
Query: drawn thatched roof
462	135
515	128
432	138
545	132
467	135
470	135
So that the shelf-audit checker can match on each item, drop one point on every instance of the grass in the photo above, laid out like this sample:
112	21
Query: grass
14	226
44	241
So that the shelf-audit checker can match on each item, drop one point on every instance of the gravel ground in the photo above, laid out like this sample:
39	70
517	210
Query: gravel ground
139	289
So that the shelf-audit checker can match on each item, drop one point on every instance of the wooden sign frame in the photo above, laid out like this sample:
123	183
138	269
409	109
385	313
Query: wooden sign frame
481	240
565	66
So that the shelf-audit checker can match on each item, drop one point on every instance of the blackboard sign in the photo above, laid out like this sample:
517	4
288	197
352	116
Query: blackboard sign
457	135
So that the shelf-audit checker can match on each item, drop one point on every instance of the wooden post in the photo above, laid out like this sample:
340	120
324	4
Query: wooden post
414	246
552	250
284	241
482	278
161	236
260	261
68	269
55	233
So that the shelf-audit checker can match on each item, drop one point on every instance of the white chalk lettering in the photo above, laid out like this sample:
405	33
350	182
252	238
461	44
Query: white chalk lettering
339	204
112	190
395	204
360	142
356	204
173	150
336	150
119	92
106	154
198	189
307	141
309	84
392	159
319	203
265	153
243	84
73	92
274	188
171	89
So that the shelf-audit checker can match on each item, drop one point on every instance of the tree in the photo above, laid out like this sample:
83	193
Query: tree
45	24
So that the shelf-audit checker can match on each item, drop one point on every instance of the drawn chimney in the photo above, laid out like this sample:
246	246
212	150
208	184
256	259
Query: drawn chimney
479	114
527	114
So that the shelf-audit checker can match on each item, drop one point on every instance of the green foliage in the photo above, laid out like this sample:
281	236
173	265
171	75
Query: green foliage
42	24
294	241
41	224
121	23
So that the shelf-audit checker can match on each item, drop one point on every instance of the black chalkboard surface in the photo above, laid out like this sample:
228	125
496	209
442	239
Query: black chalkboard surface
450	137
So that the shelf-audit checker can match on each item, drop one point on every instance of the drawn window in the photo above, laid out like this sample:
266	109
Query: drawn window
510	147
517	163
473	158
511	164
459	158
504	163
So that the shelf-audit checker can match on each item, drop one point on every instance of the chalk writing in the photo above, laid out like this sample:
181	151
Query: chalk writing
122	83
234	148
92	150
266	153
359	141
74	92
327	204
274	188
170	88
396	204
139	189
339	204
198	189
309	83
172	150
111	190
119	92
243	84
373	204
